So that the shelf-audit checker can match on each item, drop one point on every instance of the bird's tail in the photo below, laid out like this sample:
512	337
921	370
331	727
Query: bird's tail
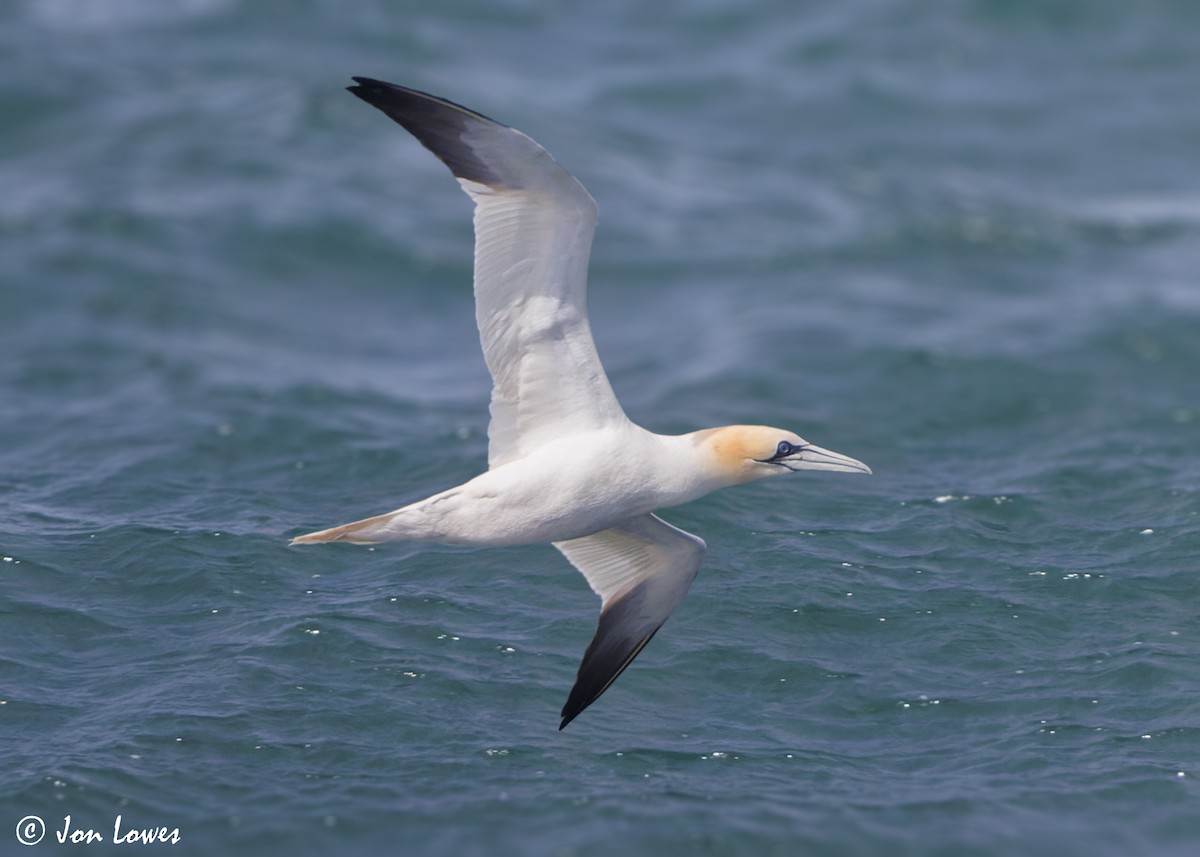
364	532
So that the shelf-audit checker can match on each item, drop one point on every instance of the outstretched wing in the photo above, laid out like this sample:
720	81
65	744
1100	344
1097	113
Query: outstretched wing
533	234
641	569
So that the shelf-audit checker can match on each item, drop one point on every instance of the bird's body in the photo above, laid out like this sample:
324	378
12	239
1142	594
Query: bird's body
562	490
566	466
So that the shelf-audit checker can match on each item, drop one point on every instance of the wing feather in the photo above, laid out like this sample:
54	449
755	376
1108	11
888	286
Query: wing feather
533	235
641	569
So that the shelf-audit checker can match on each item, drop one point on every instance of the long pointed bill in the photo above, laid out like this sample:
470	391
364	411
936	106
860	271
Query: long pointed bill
811	457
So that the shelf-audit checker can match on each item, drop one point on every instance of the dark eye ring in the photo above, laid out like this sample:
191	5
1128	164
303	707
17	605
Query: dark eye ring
783	449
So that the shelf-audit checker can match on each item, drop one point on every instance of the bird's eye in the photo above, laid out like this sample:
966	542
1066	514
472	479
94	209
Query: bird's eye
783	449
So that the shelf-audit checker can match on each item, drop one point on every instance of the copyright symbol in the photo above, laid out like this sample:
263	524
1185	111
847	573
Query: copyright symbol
30	830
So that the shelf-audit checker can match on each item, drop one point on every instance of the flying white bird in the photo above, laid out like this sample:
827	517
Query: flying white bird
565	465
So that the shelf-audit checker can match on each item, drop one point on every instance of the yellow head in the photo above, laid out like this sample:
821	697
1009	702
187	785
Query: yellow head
747	453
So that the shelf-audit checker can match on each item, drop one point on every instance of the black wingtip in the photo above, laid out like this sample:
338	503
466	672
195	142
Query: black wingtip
368	89
438	123
364	84
573	709
381	94
620	637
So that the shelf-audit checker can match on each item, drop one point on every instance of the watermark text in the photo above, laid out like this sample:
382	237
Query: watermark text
31	830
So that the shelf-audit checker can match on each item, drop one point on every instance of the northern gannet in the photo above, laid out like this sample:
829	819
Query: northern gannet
565	465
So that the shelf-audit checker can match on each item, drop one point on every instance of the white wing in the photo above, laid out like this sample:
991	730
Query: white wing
533	234
641	569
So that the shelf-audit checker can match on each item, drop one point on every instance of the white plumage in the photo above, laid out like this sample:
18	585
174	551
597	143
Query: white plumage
565	465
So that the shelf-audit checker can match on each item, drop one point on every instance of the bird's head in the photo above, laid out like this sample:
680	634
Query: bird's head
748	453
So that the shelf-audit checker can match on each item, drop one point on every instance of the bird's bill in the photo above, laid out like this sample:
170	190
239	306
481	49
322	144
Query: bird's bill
812	457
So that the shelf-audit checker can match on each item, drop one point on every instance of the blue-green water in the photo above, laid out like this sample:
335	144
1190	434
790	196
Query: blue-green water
957	240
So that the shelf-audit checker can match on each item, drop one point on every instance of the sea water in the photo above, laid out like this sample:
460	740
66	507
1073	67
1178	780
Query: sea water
956	240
